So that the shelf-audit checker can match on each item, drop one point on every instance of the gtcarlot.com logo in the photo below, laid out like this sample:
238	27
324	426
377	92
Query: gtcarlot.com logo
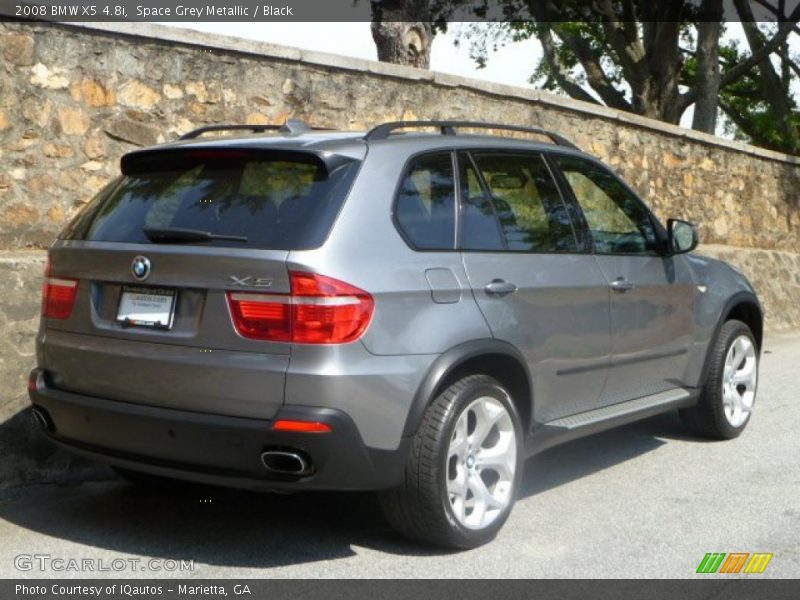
734	562
60	564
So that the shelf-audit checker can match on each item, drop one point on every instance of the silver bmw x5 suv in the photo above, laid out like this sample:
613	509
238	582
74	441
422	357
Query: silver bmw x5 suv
415	310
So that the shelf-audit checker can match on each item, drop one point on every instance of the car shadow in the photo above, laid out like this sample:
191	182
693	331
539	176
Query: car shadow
586	456
231	528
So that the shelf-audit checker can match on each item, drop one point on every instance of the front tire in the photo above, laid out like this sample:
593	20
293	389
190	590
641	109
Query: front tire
463	468
729	394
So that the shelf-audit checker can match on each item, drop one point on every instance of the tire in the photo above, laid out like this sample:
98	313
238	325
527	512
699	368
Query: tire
715	415
147	480
435	503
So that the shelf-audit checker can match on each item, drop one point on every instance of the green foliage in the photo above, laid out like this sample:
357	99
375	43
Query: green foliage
748	113
749	116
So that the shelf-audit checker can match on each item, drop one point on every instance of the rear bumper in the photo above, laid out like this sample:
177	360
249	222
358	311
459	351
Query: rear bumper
214	449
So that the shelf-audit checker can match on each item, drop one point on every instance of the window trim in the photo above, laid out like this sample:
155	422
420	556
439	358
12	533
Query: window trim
456	205
487	196
657	226
580	237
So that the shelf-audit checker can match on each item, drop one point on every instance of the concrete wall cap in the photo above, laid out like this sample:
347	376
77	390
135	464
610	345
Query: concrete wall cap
161	33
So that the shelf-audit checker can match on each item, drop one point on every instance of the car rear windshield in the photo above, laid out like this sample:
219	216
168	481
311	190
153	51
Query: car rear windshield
280	201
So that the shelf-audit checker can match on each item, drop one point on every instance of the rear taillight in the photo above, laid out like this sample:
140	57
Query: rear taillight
301	426
319	310
58	295
33	381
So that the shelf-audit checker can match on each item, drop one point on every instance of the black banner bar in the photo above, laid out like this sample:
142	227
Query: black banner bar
581	589
155	11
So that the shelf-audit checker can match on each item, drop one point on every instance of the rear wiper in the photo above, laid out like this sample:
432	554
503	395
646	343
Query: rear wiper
176	235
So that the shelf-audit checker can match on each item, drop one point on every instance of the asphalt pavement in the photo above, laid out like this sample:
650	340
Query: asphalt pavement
645	500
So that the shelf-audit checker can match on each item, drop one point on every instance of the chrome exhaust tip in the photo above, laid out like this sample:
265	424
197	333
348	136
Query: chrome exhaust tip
285	462
42	419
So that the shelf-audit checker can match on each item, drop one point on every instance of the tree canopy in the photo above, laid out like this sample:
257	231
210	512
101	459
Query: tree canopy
655	58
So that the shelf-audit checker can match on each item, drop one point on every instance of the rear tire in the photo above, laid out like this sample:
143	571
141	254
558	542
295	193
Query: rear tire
728	396
463	468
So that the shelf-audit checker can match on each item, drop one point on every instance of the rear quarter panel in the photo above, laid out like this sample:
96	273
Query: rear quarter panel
366	250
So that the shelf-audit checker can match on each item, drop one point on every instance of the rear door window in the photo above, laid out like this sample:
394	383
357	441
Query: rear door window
280	201
526	203
480	227
425	205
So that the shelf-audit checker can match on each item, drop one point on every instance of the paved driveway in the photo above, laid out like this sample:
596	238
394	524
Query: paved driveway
641	501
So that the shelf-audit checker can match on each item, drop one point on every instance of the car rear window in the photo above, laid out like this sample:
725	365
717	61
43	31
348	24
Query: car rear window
280	201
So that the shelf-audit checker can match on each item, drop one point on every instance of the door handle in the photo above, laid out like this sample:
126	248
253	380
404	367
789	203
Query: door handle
621	285
499	287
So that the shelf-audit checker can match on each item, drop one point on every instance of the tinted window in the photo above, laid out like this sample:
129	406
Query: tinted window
276	201
425	208
480	229
529	207
617	219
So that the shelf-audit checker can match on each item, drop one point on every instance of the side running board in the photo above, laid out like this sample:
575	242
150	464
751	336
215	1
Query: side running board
574	426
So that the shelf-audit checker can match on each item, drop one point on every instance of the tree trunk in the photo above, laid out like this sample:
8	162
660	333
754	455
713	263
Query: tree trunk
399	36
707	80
656	93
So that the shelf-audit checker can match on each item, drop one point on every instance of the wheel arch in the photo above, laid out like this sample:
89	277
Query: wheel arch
748	311
742	306
491	357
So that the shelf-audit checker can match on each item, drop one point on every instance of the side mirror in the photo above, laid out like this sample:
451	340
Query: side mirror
683	236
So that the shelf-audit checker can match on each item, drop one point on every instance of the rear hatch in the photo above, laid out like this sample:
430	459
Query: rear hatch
154	261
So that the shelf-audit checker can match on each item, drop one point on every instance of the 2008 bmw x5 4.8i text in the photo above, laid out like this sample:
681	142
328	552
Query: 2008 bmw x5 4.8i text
414	310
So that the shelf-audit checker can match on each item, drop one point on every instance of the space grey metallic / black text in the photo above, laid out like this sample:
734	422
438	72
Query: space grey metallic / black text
414	310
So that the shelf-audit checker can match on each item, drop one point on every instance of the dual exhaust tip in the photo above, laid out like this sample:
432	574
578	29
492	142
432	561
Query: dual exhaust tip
286	462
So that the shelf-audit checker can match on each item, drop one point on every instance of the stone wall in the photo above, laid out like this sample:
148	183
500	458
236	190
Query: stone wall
74	99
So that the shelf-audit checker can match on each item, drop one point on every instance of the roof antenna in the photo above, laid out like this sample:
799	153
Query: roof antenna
294	127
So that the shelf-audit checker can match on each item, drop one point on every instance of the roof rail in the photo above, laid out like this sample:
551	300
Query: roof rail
381	132
290	127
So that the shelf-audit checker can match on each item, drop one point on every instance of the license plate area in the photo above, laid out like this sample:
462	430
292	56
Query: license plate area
146	307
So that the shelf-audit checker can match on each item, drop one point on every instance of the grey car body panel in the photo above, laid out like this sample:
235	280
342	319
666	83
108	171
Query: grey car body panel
651	325
558	319
585	349
200	274
372	390
222	382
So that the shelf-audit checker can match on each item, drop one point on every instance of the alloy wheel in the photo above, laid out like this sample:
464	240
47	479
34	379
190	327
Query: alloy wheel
481	463
739	379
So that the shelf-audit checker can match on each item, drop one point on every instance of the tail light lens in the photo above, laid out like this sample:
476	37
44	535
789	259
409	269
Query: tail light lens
301	426
319	310
58	295
33	381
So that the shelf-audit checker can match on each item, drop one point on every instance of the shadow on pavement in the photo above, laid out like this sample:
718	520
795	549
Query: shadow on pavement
254	530
29	458
581	458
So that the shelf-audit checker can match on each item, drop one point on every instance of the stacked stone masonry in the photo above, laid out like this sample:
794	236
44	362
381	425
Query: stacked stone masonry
74	99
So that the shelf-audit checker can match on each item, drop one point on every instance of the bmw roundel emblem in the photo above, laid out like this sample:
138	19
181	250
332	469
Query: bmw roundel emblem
140	267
